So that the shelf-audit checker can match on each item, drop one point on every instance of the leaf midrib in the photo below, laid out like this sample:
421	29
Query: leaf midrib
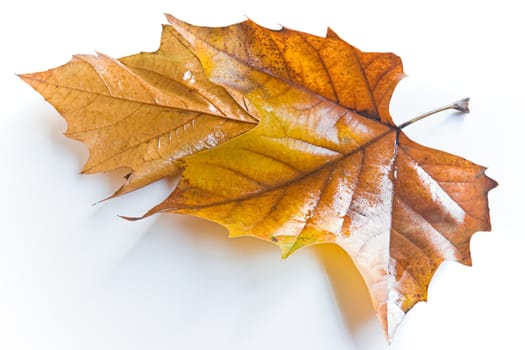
295	179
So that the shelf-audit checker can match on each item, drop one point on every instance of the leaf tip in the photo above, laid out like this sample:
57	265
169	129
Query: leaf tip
149	213
132	218
172	19
26	77
330	33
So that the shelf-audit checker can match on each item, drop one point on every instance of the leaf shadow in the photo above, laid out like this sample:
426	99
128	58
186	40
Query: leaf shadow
349	288
160	238
455	119
171	232
55	127
201	232
170	236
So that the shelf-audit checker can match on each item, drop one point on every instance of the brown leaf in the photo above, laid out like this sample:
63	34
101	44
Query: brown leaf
141	112
317	170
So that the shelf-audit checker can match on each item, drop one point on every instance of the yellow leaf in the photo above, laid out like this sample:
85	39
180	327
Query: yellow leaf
320	168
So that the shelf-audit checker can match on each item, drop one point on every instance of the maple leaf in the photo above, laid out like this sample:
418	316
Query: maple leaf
326	164
142	112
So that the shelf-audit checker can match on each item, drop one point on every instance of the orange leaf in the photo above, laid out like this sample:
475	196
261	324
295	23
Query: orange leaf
329	67
329	167
324	164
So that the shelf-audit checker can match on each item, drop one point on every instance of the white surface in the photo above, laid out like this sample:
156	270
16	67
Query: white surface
75	276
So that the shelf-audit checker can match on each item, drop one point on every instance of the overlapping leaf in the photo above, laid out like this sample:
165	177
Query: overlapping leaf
317	170
142	112
325	163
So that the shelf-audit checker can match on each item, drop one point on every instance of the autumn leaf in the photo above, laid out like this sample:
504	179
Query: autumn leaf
283	136
328	67
142	112
326	164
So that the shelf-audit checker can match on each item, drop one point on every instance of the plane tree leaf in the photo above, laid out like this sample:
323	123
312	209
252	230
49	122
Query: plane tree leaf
283	136
142	112
323	167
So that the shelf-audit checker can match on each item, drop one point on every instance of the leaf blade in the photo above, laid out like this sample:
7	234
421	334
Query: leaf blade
141	117
329	67
371	230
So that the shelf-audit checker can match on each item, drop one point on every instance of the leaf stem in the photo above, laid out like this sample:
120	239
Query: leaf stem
459	105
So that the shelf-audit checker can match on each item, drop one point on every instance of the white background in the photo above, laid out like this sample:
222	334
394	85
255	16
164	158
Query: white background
75	276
